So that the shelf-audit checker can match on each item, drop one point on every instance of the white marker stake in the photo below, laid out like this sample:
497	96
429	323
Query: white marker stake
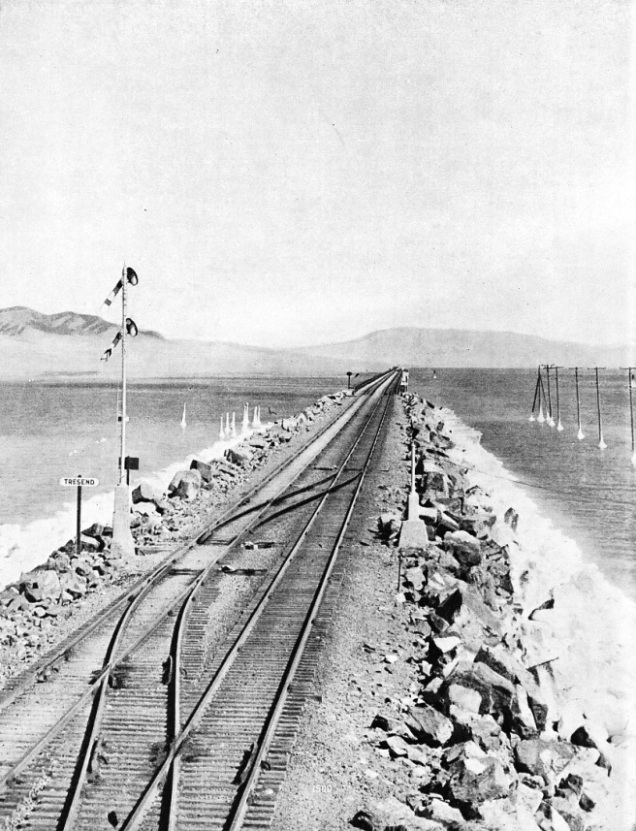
221	431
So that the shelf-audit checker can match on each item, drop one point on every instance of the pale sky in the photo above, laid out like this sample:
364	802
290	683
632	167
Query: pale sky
288	173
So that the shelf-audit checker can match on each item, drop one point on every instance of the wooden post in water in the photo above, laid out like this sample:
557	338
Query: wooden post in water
601	441
541	417
556	379
550	420
537	394
579	435
631	409
631	412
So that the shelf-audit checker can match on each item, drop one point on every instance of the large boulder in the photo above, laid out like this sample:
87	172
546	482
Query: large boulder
497	693
505	663
434	479
42	585
186	484
543	757
204	469
464	547
429	726
474	780
73	585
144	492
240	456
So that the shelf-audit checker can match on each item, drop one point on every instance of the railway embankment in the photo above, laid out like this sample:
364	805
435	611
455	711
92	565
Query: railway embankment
439	704
41	608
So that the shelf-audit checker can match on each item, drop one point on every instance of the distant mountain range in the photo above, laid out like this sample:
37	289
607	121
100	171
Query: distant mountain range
412	346
33	345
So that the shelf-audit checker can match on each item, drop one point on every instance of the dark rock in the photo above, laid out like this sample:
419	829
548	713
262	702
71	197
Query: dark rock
82	566
430	726
175	481
572	783
498	694
582	737
205	469
586	803
396	745
60	561
464	547
570	812
73	585
364	820
189	485
240	456
389	526
476	780
486	733
503	662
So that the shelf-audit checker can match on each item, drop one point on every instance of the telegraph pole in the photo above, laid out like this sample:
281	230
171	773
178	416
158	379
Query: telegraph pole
601	441
631	410
580	436
556	378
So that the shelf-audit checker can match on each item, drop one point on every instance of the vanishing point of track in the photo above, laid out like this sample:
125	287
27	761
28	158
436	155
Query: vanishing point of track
205	663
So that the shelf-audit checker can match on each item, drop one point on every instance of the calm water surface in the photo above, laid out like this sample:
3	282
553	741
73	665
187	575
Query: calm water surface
50	430
590	494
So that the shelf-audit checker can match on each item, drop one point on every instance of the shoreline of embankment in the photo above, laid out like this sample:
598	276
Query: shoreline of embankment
41	606
463	701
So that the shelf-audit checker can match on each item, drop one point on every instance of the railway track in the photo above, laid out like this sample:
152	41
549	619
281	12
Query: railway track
197	660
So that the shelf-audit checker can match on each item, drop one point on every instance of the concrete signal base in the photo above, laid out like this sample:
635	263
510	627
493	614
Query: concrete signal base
123	544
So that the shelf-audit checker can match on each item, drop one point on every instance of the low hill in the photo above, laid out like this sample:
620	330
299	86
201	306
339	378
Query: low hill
33	345
412	346
20	319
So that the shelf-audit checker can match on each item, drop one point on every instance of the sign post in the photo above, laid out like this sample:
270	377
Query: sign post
79	482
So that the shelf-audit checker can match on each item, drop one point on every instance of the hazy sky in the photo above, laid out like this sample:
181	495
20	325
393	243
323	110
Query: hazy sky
285	173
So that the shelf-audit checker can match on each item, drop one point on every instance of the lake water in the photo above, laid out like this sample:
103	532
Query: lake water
589	493
49	430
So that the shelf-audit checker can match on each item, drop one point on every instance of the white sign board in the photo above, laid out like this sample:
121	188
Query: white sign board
79	481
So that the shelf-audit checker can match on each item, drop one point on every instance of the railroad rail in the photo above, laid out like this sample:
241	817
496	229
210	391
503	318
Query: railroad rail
118	751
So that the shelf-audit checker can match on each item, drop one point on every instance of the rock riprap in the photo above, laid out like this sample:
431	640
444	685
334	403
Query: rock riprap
487	740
